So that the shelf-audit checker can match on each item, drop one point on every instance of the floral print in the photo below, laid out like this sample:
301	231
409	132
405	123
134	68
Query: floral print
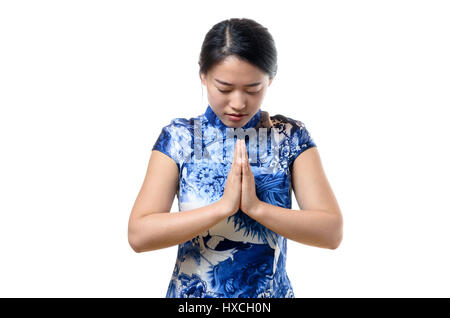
238	257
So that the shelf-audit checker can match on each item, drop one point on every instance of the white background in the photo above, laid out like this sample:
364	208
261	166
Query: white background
86	86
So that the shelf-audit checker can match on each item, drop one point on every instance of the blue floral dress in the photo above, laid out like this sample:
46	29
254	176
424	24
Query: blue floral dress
238	257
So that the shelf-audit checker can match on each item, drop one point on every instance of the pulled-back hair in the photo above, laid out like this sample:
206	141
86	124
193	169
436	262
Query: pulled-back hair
244	38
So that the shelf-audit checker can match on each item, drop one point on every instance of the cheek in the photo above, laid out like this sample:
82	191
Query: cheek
217	98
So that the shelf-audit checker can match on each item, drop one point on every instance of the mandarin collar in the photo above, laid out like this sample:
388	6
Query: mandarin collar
215	121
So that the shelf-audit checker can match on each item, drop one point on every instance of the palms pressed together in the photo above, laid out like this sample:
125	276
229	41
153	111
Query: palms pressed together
240	191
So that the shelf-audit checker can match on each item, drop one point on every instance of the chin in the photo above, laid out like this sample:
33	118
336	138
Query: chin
236	125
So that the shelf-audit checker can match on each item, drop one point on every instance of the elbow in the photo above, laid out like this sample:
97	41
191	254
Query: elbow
138	241
335	244
133	240
336	239
133	244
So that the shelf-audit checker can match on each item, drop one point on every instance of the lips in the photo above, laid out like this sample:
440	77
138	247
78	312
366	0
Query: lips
236	117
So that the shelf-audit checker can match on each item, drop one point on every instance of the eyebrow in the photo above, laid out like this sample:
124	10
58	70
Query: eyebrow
228	84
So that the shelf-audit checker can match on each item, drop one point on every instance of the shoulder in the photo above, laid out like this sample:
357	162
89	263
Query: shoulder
179	124
180	129
175	139
294	134
287	124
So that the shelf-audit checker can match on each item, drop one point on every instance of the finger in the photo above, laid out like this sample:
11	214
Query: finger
241	143
244	152
236	152
237	161
244	159
247	162
239	146
239	155
248	169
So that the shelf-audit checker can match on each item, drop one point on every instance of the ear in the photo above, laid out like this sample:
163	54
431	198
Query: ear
270	82
203	78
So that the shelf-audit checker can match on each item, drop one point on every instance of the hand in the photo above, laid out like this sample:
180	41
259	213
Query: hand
232	192
249	201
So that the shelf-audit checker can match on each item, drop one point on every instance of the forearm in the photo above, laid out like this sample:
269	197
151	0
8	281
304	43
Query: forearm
161	230
312	227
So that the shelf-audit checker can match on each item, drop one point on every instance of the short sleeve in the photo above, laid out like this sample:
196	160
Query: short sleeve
300	140
167	144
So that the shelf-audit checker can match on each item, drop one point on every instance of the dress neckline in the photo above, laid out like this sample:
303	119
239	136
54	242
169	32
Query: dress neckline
215	121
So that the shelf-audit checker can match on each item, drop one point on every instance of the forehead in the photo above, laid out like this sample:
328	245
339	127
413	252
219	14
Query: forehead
236	72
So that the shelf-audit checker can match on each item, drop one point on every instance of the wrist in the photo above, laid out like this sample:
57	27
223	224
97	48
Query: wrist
256	209
224	208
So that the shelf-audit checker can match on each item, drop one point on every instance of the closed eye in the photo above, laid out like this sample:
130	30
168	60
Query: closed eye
225	92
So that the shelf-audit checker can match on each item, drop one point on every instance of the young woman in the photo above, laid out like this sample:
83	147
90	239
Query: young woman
234	197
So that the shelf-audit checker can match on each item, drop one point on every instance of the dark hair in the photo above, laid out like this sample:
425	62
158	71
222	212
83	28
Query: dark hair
243	38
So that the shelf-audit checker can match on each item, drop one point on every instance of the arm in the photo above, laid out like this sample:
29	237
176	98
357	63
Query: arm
151	226
311	227
160	230
319	222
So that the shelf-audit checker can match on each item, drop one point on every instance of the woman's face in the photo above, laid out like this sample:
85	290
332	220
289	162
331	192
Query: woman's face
235	87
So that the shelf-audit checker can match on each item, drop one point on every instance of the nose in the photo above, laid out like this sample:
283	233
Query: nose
238	109
237	102
237	105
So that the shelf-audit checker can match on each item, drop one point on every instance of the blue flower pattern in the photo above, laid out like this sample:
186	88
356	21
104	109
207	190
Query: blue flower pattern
238	257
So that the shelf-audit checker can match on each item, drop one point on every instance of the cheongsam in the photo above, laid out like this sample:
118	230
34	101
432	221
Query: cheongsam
238	257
